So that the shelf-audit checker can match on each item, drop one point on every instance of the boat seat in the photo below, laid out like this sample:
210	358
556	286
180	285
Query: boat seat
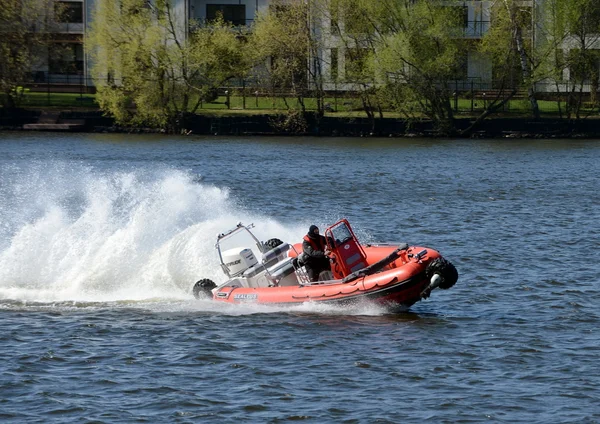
254	270
283	274
271	257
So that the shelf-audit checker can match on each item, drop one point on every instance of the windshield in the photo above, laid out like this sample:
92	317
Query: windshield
240	239
341	233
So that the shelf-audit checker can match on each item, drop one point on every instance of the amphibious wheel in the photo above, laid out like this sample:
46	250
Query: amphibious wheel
445	269
273	243
203	289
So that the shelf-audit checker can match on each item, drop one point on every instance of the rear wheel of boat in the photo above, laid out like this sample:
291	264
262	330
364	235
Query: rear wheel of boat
203	289
444	269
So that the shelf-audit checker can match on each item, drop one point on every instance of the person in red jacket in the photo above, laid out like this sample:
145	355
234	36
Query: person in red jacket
315	258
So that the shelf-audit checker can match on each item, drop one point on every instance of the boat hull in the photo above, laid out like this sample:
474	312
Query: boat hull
393	275
400	285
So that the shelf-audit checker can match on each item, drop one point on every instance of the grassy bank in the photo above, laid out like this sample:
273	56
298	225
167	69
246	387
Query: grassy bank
335	106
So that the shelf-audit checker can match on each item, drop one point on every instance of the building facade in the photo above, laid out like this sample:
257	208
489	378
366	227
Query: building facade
63	61
68	65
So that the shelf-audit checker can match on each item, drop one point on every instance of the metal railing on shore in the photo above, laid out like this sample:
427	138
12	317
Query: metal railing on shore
466	96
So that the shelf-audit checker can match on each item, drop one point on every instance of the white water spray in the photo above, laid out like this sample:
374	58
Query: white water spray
72	233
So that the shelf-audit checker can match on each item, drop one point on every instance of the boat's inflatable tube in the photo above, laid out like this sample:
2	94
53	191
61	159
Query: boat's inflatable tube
377	266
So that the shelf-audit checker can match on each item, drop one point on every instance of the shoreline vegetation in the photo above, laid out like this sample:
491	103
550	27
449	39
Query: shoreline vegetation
238	122
318	67
263	116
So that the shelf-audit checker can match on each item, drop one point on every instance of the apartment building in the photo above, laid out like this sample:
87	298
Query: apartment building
67	63
63	62
339	52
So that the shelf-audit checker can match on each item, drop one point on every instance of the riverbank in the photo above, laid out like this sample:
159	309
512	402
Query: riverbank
270	124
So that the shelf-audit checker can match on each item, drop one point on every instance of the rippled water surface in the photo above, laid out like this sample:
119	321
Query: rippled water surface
102	237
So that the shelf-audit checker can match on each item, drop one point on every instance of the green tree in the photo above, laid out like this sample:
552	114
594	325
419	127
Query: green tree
582	23
570	30
149	70
419	50
522	49
551	32
24	29
287	54
356	26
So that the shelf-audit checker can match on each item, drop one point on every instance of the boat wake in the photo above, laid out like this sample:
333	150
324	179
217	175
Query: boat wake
185	305
77	234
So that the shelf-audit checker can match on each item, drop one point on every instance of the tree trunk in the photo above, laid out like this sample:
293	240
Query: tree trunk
535	109
9	102
518	38
594	85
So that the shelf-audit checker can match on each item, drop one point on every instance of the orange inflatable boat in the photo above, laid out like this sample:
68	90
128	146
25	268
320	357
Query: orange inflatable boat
395	276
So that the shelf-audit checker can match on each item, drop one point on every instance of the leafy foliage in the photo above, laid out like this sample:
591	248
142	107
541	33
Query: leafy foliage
148	71
24	25
416	53
285	50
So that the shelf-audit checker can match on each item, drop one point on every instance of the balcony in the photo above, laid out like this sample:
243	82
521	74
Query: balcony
475	29
69	28
241	28
69	17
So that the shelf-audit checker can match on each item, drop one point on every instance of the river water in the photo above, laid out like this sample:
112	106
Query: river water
103	236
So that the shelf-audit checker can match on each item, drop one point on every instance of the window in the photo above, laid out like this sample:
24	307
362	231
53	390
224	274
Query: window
232	13
66	59
69	12
461	67
356	59
334	26
585	65
461	14
589	20
334	19
334	64
341	234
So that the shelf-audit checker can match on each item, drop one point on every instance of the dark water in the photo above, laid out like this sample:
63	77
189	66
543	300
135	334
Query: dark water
101	238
